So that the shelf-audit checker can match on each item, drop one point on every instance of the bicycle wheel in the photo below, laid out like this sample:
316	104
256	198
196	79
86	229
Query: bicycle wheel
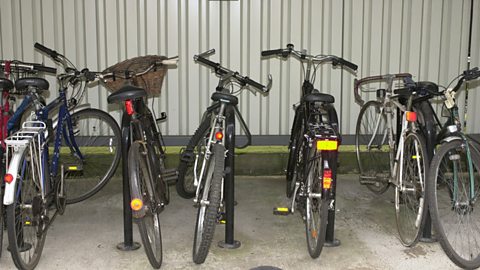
316	210
97	136
2	219
207	213
142	186
372	148
294	153
25	226
453	193
191	161
410	200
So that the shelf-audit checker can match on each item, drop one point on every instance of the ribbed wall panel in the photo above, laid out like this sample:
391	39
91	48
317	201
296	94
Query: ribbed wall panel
427	38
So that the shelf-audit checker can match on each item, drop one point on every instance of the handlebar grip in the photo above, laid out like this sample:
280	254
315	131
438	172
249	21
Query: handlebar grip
471	74
46	50
272	52
255	84
344	62
45	69
206	61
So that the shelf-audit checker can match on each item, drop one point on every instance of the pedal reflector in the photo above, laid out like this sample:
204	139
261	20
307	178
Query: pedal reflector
282	211
72	168
327	145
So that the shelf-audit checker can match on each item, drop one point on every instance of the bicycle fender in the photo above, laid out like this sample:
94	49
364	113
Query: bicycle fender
9	195
452	138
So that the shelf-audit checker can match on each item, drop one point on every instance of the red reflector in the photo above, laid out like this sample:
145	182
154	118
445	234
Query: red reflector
136	204
327	178
218	135
8	178
411	116
129	107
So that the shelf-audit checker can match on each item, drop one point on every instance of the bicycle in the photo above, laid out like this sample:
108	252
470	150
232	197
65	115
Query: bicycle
11	70
402	160
313	150
205	153
454	184
92	157
147	173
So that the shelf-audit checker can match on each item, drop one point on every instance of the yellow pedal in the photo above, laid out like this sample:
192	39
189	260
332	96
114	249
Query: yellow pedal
281	211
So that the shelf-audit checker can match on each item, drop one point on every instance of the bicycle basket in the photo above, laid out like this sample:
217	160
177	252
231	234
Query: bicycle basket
150	81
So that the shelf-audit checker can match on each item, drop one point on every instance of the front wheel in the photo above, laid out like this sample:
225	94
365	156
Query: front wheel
453	192
209	203
93	163
316	210
372	148
410	196
142	188
26	216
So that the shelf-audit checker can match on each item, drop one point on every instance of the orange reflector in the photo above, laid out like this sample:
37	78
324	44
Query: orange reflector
129	106
314	233
8	178
136	204
218	135
327	145
411	116
327	178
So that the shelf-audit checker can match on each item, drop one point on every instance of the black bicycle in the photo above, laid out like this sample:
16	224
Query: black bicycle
313	150
202	163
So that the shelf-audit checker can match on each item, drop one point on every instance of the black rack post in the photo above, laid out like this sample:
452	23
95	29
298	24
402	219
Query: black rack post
330	240
229	181
127	243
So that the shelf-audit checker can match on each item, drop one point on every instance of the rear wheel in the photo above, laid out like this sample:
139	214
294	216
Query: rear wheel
191	161
410	197
316	210
453	194
26	217
97	136
372	148
142	186
210	203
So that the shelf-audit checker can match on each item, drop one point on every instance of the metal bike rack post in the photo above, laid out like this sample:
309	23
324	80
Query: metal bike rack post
127	243
330	240
229	182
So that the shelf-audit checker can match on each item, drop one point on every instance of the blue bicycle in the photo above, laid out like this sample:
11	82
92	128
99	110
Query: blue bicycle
86	143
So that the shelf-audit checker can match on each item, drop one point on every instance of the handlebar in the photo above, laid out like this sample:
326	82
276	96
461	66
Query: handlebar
26	67
222	71
303	56
52	53
357	83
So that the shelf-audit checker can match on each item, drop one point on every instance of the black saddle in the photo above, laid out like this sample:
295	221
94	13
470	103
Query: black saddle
127	92
5	84
315	96
224	97
38	83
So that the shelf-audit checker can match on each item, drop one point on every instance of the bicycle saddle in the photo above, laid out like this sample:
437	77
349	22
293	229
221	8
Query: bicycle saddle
217	96
127	92
316	96
5	84
38	83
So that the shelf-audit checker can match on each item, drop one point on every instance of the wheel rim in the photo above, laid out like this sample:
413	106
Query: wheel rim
198	157
373	161
314	207
410	197
203	208
457	219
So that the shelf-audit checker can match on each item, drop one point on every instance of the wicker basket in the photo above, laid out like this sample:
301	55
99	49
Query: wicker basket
150	81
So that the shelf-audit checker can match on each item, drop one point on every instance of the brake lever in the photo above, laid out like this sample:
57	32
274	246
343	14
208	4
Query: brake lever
267	88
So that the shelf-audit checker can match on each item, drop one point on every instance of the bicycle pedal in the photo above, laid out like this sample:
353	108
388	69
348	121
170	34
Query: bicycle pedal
73	167
221	219
170	172
281	211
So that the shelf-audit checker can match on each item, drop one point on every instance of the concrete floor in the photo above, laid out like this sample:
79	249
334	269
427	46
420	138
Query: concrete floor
86	236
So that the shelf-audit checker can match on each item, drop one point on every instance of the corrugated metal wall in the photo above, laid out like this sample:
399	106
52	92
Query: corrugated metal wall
427	38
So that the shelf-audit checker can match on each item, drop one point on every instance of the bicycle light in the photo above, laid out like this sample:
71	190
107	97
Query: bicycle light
327	145
219	135
327	178
136	204
8	178
411	116
129	107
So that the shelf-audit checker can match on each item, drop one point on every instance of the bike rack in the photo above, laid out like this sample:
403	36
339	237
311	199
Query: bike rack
128	244
229	182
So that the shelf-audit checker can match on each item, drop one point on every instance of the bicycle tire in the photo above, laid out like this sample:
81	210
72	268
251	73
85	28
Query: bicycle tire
33	226
315	234
294	145
452	219
2	218
207	214
411	204
93	130
372	164
143	186
194	151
